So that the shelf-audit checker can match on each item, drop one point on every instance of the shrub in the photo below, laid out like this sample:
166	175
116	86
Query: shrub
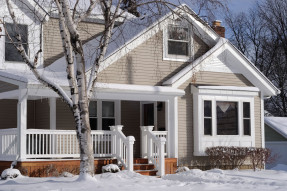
10	173
226	157
111	168
234	157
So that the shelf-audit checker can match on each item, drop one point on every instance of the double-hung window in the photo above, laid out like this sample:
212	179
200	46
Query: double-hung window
102	114
178	40
11	53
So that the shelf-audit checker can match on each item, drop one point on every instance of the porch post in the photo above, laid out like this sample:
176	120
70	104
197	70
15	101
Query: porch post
22	122
172	127
144	143
52	103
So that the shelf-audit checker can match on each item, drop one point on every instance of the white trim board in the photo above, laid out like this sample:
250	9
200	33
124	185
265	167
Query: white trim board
235	59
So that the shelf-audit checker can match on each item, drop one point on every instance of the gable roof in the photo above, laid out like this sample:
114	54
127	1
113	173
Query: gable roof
279	124
136	31
234	58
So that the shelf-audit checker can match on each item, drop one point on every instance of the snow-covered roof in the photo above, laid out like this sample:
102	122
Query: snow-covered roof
131	34
279	124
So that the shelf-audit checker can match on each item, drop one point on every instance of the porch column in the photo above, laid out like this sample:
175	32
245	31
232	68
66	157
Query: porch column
171	114
22	122
52	103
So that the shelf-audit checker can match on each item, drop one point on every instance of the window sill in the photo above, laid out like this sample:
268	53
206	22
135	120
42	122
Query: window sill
177	59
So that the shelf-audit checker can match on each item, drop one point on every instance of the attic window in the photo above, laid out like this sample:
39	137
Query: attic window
178	40
11	53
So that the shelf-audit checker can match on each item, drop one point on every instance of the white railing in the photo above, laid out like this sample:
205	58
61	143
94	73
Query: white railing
162	134
64	143
8	144
123	147
153	147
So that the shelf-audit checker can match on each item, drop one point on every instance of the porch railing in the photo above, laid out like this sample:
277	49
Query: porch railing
8	144
64	143
42	144
153	147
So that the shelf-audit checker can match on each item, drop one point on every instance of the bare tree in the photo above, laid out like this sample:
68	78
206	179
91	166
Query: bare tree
262	36
81	82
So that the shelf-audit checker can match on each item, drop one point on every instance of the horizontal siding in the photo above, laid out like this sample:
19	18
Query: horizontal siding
53	49
145	66
42	114
5	87
64	116
219	78
257	120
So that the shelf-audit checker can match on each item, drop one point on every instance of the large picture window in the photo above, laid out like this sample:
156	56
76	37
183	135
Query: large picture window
227	118
11	53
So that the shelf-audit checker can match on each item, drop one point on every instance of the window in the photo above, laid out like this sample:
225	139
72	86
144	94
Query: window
227	118
93	115
223	116
246	118
178	40
102	114
207	118
11	53
108	114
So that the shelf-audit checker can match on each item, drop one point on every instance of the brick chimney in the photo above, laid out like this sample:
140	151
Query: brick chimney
216	26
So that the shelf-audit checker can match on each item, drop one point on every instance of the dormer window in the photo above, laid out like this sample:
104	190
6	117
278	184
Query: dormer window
11	53
178	40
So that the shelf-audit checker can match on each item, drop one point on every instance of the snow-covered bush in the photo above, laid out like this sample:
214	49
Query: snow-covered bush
10	173
111	168
182	169
66	174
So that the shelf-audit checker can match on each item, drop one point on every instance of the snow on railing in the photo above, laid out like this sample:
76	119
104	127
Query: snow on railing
123	147
153	147
64	143
8	144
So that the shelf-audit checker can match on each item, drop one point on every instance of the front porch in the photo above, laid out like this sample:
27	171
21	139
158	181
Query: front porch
48	151
45	127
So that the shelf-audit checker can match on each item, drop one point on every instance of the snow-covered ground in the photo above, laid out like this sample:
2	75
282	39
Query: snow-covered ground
129	181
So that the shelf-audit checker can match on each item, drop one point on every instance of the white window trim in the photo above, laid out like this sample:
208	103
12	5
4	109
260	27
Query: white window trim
117	110
179	58
201	141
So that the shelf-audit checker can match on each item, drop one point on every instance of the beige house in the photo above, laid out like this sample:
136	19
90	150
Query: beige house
175	85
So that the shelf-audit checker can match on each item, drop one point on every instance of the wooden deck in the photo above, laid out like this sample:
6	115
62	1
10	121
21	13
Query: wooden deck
56	167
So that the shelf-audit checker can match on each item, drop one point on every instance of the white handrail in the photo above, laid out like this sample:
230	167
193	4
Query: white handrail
153	147
123	147
8	144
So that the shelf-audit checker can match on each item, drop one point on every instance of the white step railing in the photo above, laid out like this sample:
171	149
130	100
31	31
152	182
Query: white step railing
123	147
8	144
153	147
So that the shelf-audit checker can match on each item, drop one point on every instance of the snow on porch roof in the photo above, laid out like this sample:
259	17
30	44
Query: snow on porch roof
27	77
279	124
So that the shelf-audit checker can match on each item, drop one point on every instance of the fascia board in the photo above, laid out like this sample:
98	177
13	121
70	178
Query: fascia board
261	81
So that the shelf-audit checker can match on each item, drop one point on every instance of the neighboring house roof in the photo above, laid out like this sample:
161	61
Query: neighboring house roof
279	124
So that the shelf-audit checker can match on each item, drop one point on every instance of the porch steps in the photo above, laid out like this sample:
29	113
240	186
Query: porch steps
142	167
